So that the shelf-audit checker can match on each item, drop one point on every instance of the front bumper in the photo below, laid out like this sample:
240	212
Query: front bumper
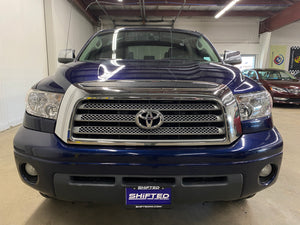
290	101
95	173
286	99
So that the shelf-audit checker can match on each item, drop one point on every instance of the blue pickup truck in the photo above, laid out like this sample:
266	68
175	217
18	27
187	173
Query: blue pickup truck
148	117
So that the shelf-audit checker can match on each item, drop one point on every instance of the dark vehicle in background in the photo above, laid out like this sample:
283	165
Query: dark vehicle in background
148	117
283	86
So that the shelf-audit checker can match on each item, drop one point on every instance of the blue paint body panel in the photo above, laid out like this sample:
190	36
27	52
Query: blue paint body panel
78	72
50	156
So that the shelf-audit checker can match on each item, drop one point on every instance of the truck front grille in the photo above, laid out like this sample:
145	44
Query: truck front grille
101	119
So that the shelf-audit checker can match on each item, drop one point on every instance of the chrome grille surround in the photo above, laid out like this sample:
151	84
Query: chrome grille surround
111	95
133	106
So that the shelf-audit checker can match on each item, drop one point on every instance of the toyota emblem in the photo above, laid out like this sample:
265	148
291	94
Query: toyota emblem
149	119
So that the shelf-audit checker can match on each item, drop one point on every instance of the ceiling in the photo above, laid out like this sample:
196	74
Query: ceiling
166	12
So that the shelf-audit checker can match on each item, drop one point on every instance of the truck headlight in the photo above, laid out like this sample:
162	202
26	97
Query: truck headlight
43	104
254	105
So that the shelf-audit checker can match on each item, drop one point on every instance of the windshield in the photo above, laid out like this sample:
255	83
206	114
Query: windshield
149	45
275	75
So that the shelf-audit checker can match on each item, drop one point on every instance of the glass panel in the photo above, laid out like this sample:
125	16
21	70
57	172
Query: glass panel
99	48
149	45
248	62
275	75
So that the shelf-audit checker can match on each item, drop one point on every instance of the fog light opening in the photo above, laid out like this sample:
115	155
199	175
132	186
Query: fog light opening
29	173
30	170
267	174
266	171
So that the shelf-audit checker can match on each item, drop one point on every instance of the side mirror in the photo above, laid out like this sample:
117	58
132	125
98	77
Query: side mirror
232	57
66	55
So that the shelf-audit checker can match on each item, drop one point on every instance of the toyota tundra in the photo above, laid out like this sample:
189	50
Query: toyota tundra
148	117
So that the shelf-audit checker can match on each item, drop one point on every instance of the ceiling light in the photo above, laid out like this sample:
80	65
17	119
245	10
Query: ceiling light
120	0
227	7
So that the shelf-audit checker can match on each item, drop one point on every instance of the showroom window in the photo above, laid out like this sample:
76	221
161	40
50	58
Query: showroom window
248	62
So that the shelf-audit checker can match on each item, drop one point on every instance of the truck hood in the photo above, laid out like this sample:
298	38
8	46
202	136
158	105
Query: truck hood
172	70
152	70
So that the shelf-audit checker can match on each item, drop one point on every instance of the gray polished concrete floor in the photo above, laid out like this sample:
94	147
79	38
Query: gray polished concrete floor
280	204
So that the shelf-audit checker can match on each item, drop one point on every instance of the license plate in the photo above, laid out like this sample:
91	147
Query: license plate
148	197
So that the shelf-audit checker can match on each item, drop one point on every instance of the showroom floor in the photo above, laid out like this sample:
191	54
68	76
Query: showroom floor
279	204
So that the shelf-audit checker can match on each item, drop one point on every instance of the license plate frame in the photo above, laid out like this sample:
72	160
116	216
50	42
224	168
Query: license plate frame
148	197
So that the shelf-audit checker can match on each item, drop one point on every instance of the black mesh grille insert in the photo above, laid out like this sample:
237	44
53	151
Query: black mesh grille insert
116	120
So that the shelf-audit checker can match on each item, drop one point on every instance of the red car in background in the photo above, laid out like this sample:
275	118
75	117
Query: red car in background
283	86
297	75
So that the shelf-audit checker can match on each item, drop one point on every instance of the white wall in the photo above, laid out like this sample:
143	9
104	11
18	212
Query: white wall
22	56
23	48
287	35
58	15
227	33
